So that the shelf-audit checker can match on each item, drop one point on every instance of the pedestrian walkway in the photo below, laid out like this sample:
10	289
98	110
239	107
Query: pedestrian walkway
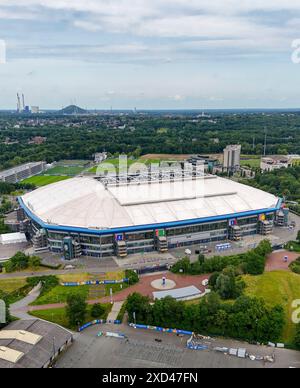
20	309
113	315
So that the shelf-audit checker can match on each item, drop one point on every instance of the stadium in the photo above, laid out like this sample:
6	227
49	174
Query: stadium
91	217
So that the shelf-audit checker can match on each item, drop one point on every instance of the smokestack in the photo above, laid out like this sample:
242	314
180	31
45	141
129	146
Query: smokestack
18	103
23	101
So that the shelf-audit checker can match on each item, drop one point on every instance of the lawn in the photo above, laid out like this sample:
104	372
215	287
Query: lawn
11	285
61	170
277	287
41	181
59	316
252	161
59	294
130	162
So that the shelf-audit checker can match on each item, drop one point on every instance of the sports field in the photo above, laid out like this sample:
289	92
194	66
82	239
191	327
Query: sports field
64	170
41	180
279	287
130	162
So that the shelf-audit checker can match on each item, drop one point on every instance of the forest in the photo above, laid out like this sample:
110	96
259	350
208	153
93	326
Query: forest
79	137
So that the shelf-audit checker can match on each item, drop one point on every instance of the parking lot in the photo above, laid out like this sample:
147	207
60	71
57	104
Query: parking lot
140	350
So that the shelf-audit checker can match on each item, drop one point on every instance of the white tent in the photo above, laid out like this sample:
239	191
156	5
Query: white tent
12	238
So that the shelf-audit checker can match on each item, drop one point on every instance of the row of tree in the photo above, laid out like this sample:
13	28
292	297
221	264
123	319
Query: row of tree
246	318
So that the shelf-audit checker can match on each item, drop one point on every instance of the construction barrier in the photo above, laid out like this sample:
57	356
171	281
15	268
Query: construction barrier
94	283
161	329
98	322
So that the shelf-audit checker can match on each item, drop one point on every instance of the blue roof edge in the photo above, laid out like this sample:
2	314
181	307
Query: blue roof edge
140	228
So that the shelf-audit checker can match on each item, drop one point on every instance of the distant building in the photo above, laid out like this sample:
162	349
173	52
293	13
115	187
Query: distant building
19	173
208	162
38	140
35	110
274	163
232	158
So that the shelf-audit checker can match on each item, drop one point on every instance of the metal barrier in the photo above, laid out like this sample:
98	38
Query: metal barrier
98	322
94	283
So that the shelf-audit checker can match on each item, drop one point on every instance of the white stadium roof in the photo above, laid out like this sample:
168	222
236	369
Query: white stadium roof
87	203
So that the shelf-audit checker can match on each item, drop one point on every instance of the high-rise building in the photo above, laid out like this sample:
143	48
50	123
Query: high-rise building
232	158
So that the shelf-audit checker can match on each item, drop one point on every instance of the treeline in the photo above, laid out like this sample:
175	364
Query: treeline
248	319
9	188
284	182
80	138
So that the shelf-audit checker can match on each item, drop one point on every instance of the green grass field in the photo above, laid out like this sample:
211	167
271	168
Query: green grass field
253	161
40	181
277	287
59	294
11	285
62	170
59	316
130	162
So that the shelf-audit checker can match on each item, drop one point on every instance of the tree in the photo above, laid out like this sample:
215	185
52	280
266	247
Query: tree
76	309
34	262
254	263
132	276
97	311
201	259
140	306
297	336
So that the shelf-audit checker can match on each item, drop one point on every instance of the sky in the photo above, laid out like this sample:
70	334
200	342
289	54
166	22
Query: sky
151	54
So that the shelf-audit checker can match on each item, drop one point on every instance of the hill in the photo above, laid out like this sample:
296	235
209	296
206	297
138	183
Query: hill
72	110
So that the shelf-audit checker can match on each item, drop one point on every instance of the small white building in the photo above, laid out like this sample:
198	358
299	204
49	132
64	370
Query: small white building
12	238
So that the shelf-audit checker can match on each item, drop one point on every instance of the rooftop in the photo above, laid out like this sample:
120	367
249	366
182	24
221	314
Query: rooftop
17	169
88	203
30	343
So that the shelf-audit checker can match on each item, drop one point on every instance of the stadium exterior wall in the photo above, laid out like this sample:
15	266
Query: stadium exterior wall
213	229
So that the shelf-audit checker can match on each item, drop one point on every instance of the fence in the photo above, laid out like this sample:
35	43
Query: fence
97	322
161	329
94	283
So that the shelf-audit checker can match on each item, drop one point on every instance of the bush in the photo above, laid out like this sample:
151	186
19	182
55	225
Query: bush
48	283
34	262
20	262
295	266
97	311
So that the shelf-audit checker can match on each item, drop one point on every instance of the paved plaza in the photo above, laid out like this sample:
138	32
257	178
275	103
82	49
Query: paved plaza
140	350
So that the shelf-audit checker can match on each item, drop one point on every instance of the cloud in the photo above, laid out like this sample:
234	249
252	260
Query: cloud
162	29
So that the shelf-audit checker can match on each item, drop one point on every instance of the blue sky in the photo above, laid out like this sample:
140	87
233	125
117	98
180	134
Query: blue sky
150	54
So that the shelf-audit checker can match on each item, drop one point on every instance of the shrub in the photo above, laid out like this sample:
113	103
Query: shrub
97	311
48	283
